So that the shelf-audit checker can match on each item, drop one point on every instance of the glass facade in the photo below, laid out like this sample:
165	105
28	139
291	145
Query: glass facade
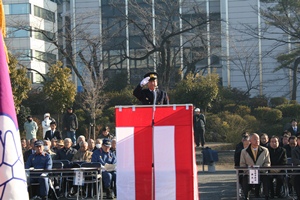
43	13
17	9
43	35
14	32
22	54
45	57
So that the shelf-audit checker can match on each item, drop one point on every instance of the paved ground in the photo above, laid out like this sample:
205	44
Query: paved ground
219	185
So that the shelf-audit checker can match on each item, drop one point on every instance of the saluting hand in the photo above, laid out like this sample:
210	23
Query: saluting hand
144	81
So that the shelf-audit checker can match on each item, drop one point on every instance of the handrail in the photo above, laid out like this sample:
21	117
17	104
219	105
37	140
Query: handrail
52	173
289	170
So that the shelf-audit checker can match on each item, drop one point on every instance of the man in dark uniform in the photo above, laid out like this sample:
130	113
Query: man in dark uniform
40	160
152	93
199	127
105	156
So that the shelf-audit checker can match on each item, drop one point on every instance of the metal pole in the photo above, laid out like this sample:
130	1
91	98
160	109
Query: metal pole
237	184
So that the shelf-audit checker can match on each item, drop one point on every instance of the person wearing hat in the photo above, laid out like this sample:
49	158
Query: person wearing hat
70	124
40	160
53	132
152	93
59	145
46	123
30	128
199	127
105	156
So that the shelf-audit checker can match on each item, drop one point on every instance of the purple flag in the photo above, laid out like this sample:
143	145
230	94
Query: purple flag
12	174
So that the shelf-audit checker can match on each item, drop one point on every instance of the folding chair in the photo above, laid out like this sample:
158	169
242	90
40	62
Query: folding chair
92	180
64	181
56	182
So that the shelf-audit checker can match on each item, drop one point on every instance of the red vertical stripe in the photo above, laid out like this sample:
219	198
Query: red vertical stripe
143	162
184	148
141	120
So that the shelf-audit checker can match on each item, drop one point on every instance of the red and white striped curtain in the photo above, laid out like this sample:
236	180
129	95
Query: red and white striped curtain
156	161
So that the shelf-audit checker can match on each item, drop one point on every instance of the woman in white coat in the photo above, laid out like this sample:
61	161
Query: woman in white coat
46	123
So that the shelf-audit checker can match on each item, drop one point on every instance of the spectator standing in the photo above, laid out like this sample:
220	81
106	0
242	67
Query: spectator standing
30	128
40	160
105	134
105	156
294	128
152	93
46	123
278	158
53	132
199	128
259	156
70	124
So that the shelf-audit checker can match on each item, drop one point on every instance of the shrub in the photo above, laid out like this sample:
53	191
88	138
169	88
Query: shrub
290	110
267	114
234	125
276	101
237	109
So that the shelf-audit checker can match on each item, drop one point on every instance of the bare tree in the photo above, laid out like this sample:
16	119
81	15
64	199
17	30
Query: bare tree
94	100
282	25
159	31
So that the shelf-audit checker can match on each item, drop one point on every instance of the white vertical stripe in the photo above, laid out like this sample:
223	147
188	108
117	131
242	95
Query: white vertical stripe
125	163
164	162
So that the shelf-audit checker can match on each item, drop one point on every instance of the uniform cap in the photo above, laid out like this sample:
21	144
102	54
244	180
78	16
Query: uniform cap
197	110
38	143
106	142
152	75
46	115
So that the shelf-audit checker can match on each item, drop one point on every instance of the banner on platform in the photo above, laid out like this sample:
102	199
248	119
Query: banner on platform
156	155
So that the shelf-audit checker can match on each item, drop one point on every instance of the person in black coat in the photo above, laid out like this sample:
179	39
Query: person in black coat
294	128
278	158
152	93
53	133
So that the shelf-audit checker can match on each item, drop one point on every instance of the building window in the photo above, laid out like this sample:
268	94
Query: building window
17	9
44	35
43	13
45	57
13	32
22	54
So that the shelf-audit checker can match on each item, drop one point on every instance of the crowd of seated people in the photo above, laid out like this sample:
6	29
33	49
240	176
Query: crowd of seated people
265	151
78	153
